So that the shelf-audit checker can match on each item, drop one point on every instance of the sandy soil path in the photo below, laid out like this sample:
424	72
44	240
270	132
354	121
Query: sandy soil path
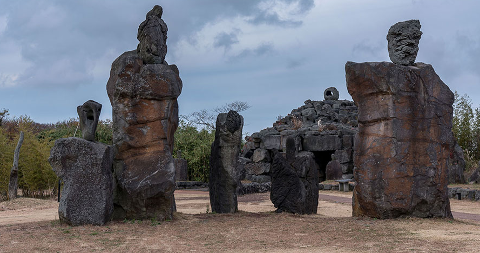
331	204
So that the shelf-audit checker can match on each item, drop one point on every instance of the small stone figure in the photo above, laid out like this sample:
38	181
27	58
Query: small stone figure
152	34
403	38
89	113
223	162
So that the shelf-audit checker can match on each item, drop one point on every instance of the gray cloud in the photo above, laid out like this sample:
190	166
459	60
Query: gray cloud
226	40
262	50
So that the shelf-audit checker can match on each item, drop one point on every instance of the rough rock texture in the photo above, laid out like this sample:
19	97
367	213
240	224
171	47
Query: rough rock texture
475	177
333	170
89	113
152	34
223	162
145	118
456	166
85	169
294	181
331	94
181	169
404	140
321	127
403	39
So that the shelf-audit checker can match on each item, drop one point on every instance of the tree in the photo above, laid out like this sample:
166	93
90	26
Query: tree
195	146
3	115
13	184
207	118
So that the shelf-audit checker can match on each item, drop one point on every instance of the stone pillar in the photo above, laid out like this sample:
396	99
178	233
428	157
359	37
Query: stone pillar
404	140
85	168
223	162
143	93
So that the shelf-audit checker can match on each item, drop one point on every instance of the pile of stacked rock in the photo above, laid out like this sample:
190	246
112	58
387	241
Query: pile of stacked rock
324	128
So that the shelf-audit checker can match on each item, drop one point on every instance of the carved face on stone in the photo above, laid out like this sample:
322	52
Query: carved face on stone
403	39
89	113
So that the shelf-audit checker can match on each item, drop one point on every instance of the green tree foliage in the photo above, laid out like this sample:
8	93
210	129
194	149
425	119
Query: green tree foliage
195	146
36	177
466	128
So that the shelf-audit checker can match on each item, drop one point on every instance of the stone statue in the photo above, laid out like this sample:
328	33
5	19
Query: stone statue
223	162
152	34
143	91
89	113
403	38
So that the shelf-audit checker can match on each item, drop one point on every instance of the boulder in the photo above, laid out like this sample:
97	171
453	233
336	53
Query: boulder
294	181
257	168
260	155
144	95
403	39
404	140
223	179
85	168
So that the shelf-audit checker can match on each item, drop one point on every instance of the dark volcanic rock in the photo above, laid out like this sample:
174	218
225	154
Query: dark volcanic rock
294	181
144	95
404	140
456	166
223	163
403	38
89	113
333	170
152	34
85	167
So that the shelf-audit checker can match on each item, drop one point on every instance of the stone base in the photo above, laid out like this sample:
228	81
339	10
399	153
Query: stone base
85	168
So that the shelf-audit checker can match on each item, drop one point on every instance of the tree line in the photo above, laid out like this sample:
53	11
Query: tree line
193	138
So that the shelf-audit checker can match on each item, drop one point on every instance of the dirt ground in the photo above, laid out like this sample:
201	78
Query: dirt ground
31	225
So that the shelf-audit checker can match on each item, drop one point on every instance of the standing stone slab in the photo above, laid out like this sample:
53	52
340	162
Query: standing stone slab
294	181
404	140
223	162
85	169
144	95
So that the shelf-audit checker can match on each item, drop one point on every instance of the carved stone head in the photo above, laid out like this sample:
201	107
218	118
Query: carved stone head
89	113
403	39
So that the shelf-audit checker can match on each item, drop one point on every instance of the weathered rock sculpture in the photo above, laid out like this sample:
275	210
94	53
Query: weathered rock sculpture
89	113
223	162
331	94
403	39
404	140
294	181
152	34
144	95
85	168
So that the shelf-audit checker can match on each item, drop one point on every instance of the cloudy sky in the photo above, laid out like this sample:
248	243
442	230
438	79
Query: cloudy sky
272	54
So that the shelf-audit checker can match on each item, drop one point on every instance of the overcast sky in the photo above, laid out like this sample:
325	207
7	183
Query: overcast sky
272	54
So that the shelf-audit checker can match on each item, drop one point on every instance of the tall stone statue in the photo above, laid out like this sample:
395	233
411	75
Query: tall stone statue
143	91
404	142
223	162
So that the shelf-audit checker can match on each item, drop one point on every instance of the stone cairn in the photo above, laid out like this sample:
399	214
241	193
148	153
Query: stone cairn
223	179
85	167
404	142
143	91
294	181
325	128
